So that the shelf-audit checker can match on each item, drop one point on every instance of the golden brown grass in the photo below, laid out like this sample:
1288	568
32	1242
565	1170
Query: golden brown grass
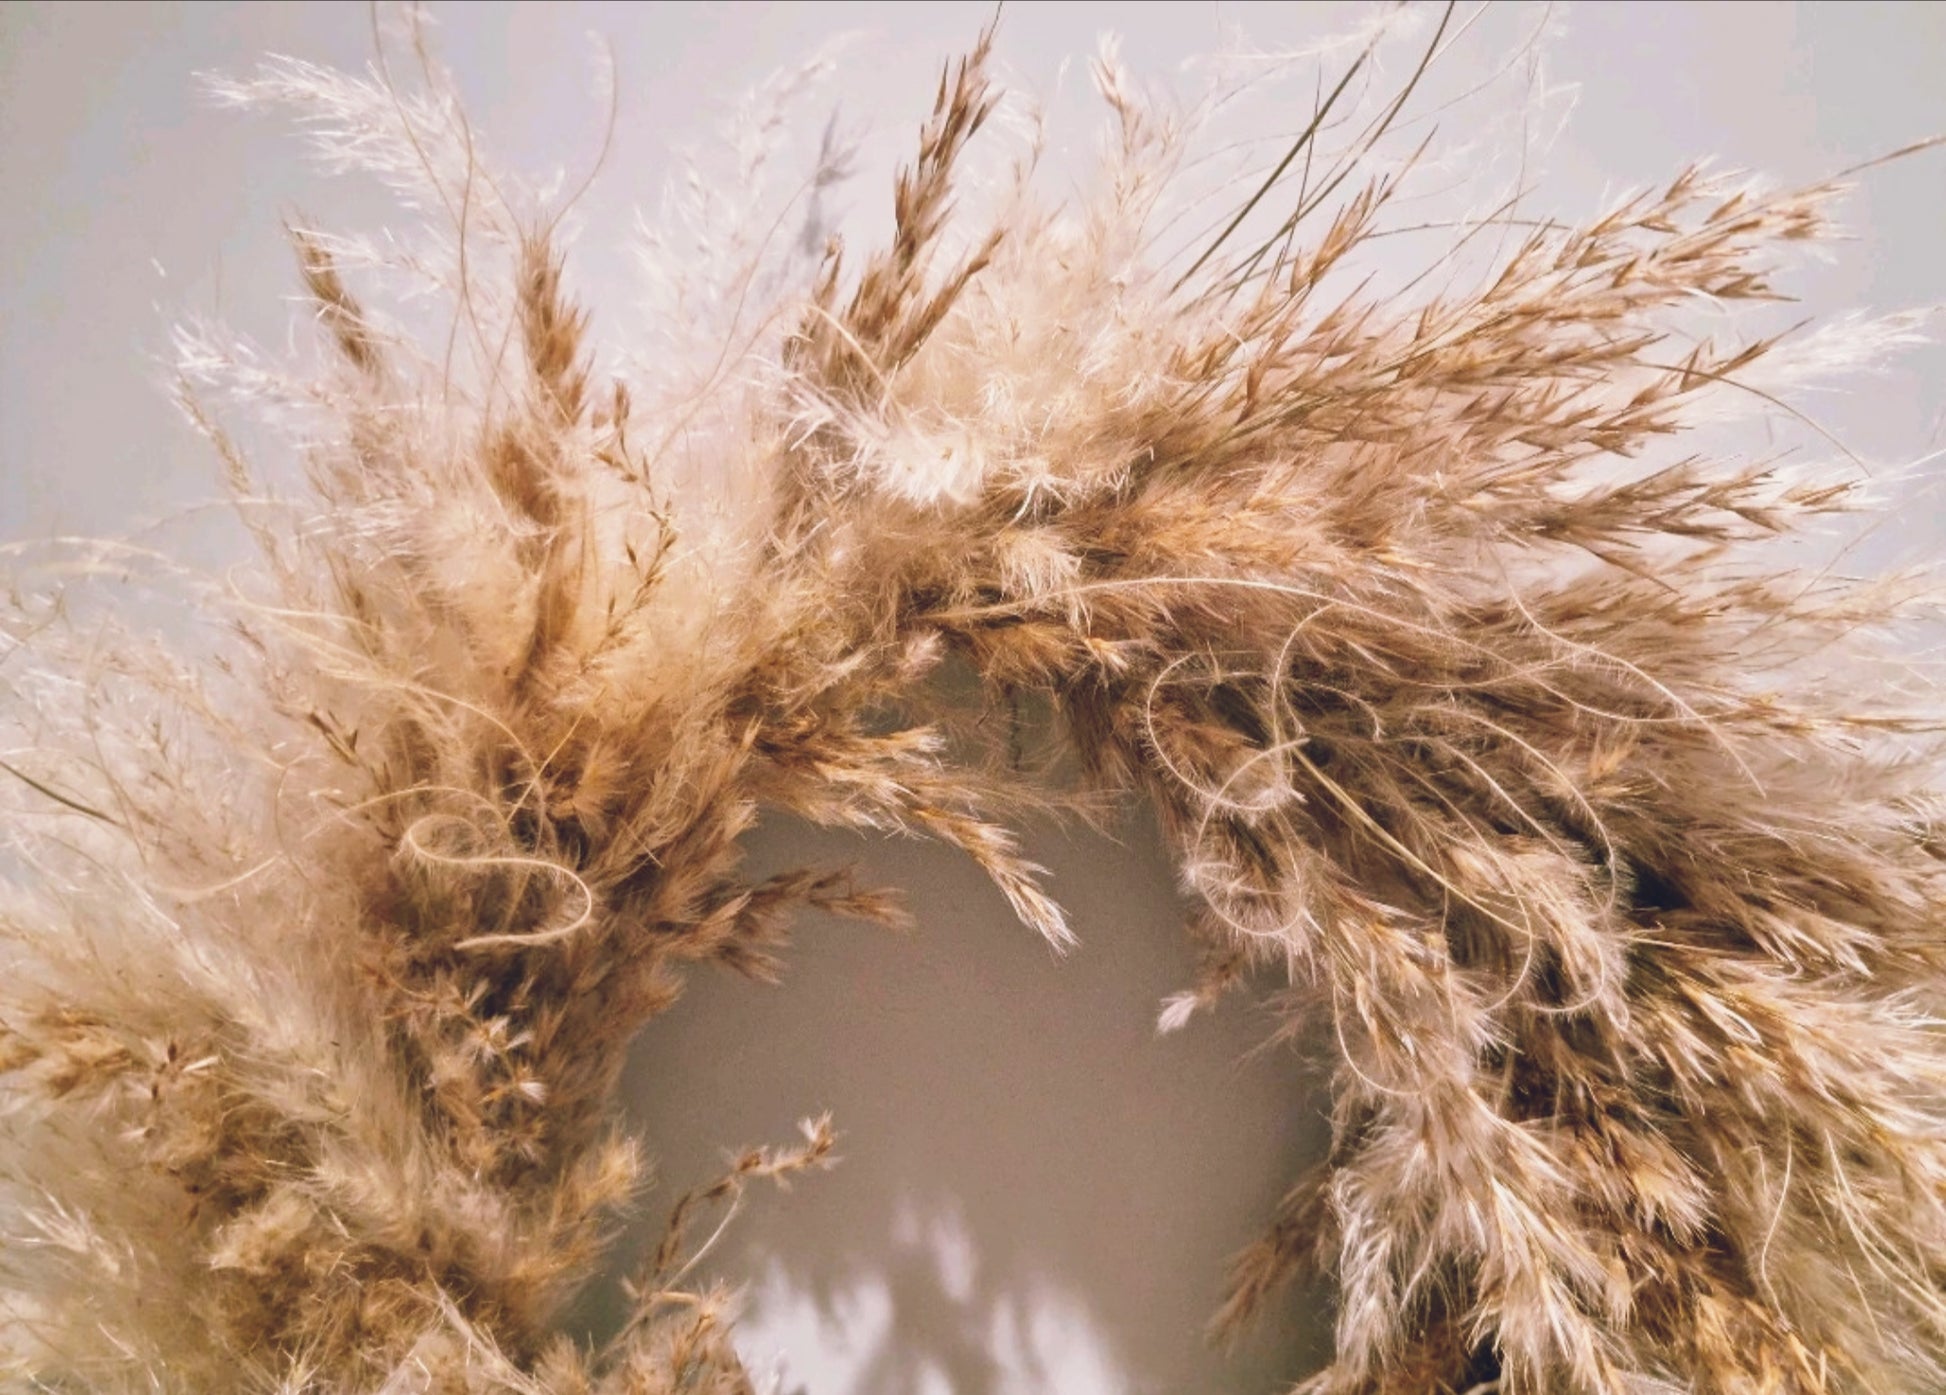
1577	815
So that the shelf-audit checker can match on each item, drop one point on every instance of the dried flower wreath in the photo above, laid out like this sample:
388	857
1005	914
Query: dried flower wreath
1526	757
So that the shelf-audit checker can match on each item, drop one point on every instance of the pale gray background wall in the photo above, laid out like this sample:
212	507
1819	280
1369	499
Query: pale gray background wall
1038	1194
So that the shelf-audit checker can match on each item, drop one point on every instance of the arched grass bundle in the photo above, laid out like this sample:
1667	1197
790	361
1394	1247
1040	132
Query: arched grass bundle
1494	722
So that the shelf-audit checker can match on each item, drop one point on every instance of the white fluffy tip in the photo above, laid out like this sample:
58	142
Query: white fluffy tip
1177	1009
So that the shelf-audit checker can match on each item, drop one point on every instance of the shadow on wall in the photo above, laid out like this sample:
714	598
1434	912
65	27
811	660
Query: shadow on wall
1037	1192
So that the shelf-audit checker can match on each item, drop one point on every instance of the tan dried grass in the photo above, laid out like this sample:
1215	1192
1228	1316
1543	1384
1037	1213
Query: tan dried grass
1524	770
